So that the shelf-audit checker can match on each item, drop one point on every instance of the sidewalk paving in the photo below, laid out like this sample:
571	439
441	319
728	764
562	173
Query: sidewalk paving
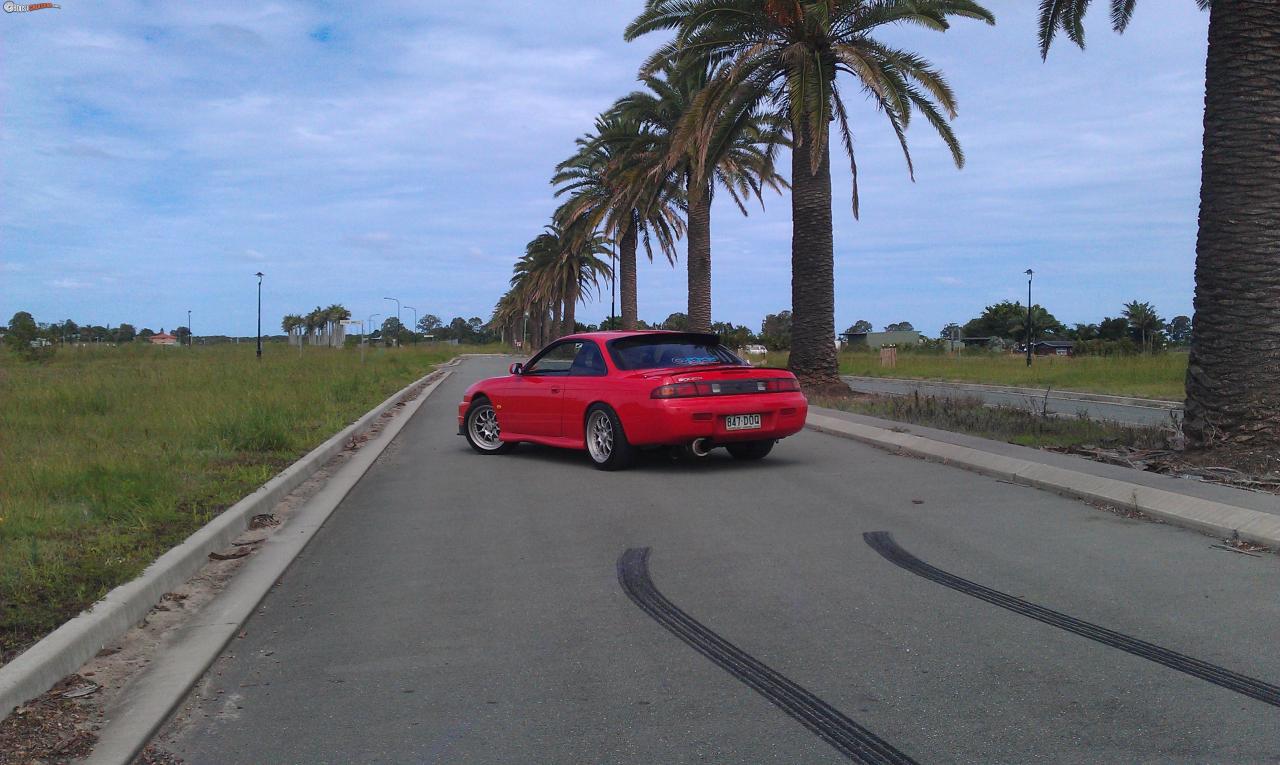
1250	500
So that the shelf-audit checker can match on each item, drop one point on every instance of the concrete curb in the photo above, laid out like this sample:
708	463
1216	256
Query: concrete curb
64	650
1054	395
1215	518
152	696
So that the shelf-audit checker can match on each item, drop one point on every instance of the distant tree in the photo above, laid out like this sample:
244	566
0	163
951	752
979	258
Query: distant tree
677	321
902	326
1113	329
460	330
394	331
775	331
858	327
145	333
68	330
182	333
608	324
1144	323
732	336
951	331
1084	332
1179	330
428	324
22	331
125	333
1008	320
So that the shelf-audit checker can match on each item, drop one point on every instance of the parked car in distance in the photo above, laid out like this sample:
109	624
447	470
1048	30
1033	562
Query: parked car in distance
755	350
612	393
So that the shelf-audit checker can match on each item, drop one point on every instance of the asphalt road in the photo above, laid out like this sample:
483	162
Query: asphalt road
1095	410
469	609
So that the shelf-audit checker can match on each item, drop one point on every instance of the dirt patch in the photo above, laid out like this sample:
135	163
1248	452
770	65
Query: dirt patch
1250	472
53	729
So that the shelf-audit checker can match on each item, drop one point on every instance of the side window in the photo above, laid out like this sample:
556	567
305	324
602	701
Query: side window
556	360
589	362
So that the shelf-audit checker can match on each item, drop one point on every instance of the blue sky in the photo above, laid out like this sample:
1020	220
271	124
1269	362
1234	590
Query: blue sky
154	155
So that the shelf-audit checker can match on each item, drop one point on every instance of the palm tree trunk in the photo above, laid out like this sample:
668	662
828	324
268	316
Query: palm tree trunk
1233	375
813	318
627	277
699	256
557	329
570	312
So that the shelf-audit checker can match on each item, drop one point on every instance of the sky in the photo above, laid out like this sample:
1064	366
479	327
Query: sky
155	155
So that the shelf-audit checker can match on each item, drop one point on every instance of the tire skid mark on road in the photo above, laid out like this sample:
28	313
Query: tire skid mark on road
883	543
828	723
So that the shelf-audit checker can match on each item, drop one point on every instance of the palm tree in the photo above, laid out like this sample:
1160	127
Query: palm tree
613	183
1233	372
1144	320
787	54
333	315
735	147
291	323
568	265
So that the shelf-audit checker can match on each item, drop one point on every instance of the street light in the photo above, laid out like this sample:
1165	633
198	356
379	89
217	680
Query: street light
1030	275
415	323
259	275
191	338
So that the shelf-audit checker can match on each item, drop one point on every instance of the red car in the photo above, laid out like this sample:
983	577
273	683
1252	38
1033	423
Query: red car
612	393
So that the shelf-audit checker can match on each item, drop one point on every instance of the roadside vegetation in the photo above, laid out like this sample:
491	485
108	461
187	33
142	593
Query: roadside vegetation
1158	376
113	455
1022	426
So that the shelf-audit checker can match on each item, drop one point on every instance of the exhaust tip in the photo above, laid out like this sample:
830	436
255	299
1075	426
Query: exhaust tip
701	447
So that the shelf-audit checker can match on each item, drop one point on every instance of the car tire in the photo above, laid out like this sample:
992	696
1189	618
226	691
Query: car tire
750	450
481	428
607	444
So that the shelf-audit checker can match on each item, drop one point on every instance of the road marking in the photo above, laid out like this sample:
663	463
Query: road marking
883	543
849	738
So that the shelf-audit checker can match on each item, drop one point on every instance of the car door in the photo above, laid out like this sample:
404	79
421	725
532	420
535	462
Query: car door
583	385
533	402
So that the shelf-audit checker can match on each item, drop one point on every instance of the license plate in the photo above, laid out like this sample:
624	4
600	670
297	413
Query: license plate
742	422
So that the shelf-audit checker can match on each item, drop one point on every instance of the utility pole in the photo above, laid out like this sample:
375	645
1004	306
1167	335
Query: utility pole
1030	275
191	336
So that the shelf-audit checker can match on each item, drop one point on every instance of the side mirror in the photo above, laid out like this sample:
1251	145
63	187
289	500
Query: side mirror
516	368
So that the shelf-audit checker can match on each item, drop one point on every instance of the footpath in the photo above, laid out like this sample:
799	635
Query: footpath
1222	511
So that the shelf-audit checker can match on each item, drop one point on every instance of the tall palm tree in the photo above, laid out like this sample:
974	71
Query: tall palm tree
788	55
613	183
569	266
706	145
1233	372
526	282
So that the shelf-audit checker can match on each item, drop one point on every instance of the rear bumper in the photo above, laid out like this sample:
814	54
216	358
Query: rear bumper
660	422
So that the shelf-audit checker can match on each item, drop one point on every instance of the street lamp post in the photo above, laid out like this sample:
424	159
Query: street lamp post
259	275
1030	275
369	336
415	323
191	337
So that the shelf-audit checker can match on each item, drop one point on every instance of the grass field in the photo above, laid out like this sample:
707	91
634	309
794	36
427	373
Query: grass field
1159	376
110	456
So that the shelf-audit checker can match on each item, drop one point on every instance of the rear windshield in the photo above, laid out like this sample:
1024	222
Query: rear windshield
632	353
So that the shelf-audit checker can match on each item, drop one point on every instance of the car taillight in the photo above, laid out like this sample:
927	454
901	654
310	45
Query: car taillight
678	390
688	390
784	385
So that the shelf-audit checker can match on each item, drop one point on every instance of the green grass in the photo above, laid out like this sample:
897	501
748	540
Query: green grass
110	456
1017	426
1160	376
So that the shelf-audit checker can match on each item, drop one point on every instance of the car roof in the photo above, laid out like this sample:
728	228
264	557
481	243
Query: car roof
607	335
